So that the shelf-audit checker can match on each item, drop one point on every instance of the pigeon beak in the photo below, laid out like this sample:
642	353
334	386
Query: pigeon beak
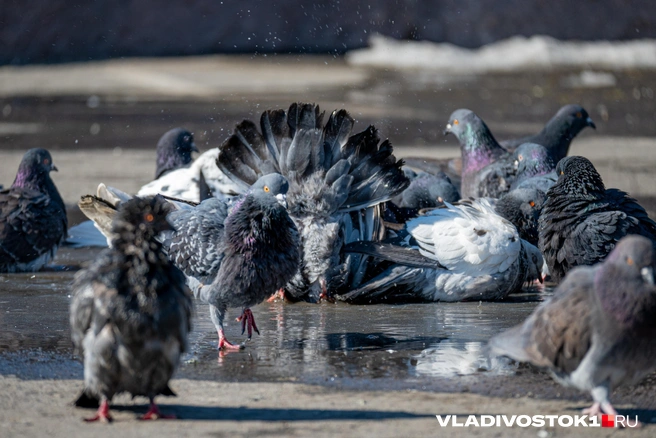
194	148
282	199
53	167
447	131
648	274
590	123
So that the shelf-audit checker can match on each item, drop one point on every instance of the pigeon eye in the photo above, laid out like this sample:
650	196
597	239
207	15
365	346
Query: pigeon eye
629	261
520	158
562	173
267	189
149	217
532	204
46	161
455	121
579	115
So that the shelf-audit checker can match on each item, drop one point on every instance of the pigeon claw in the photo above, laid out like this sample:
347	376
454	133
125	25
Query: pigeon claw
155	414
248	322
102	415
279	295
224	344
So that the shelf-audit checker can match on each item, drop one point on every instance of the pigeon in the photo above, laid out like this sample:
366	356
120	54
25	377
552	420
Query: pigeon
246	252
598	331
131	310
456	253
535	168
581	221
558	133
174	151
522	207
33	219
487	168
338	184
427	191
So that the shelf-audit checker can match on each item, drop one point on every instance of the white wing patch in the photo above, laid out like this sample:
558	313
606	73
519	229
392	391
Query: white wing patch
469	238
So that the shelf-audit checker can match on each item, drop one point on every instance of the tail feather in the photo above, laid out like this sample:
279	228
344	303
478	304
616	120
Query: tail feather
394	253
394	284
336	134
275	130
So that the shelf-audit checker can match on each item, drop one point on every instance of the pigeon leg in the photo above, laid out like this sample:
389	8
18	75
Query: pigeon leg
154	413
279	295
324	292
248	321
594	410
224	344
102	414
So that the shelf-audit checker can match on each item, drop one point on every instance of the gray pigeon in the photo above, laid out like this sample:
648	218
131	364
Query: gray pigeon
456	253
558	133
581	221
131	310
246	255
174	151
487	168
427	191
32	216
338	183
535	168
598	331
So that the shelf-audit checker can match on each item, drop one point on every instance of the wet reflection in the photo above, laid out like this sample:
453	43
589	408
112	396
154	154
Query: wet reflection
299	342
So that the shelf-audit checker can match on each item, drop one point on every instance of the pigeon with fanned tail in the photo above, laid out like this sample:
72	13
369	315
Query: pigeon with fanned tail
337	185
238	255
455	253
598	331
487	168
558	133
581	221
130	312
33	221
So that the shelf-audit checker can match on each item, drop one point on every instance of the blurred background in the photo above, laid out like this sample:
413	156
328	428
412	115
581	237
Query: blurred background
99	82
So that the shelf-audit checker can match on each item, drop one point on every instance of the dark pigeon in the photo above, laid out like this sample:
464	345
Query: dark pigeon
456	253
535	168
174	151
240	254
581	221
598	331
338	183
32	216
427	191
487	168
522	207
131	311
558	133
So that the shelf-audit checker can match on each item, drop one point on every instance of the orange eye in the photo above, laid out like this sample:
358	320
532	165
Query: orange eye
579	115
562	173
532	204
149	217
520	158
266	189
629	261
455	122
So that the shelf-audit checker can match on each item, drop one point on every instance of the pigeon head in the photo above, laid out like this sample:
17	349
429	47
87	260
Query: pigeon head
625	282
531	160
577	177
34	169
536	267
476	141
573	118
141	219
522	207
273	184
174	150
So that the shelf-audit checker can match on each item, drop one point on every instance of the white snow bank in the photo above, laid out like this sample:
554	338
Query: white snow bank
516	53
